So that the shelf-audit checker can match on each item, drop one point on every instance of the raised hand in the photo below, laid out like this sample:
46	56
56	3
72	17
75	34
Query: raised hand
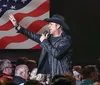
13	20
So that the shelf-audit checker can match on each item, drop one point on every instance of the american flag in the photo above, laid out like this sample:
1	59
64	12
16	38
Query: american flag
29	14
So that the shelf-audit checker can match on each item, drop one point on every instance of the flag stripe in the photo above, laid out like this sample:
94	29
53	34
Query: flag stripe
26	22
38	46
27	9
29	17
27	44
24	44
20	16
20	37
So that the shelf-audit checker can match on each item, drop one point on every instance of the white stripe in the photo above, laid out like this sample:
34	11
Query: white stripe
25	23
25	44
30	7
11	32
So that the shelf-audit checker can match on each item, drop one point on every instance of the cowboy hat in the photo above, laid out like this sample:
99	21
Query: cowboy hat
59	20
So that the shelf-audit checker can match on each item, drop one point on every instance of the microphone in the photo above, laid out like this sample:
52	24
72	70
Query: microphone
45	32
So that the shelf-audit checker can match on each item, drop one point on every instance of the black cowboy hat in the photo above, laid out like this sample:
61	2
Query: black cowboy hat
59	20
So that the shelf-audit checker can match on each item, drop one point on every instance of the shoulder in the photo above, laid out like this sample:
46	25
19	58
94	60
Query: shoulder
65	37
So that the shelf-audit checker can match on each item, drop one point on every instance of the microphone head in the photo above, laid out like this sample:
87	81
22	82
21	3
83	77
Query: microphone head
45	32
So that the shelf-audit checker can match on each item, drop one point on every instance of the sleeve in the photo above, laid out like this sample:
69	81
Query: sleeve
29	34
56	52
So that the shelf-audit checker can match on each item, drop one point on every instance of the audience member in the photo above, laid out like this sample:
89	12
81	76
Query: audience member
31	65
57	76
21	74
32	82
90	74
33	74
69	77
61	81
77	73
41	78
6	68
21	60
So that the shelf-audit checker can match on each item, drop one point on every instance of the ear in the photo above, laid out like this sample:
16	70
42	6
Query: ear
22	74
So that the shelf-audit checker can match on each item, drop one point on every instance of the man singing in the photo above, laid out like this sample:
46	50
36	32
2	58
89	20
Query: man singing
56	45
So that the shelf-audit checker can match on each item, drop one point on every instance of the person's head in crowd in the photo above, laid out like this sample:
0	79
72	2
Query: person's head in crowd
77	72
98	81
69	76
77	68
62	81
22	71
33	74
41	77
6	67
32	82
31	65
57	76
90	72
21	60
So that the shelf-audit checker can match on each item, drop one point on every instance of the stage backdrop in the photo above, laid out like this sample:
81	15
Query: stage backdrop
29	14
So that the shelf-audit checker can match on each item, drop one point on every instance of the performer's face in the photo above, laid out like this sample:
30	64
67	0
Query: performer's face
52	27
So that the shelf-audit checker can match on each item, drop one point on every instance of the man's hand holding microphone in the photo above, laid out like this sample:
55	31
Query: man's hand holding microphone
44	36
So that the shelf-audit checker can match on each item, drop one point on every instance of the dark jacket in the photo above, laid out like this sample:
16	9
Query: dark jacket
18	80
55	55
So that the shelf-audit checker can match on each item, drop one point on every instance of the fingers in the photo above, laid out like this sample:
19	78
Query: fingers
11	16
42	34
12	19
47	35
43	37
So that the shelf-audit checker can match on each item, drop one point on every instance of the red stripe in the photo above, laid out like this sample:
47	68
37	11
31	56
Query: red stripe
43	8
6	26
36	47
35	27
